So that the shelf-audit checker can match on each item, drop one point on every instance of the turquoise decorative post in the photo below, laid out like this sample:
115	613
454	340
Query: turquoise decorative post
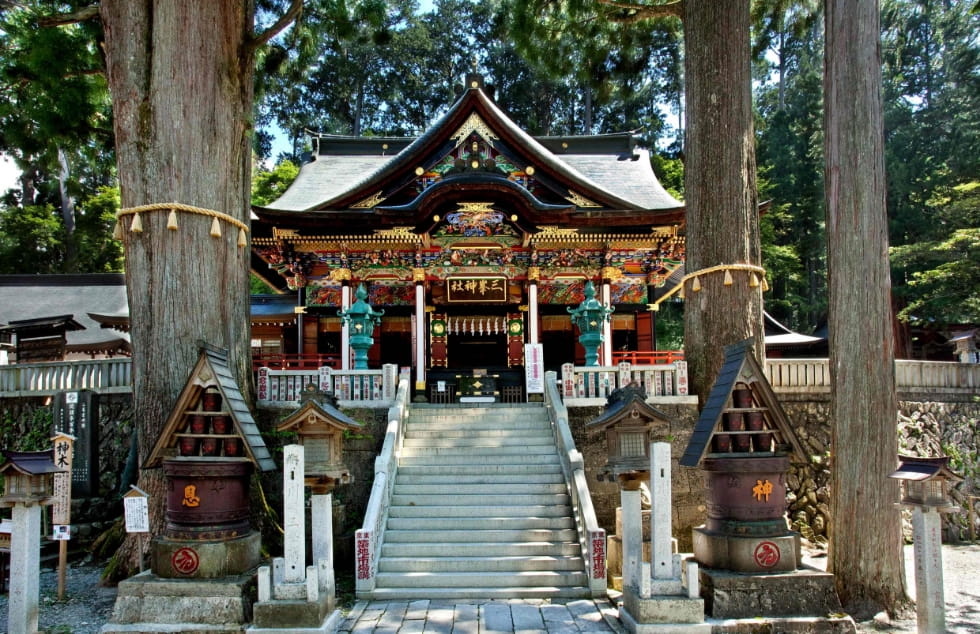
361	319
589	317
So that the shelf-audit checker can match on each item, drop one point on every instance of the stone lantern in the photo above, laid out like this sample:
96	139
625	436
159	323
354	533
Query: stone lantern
627	423
319	426
29	484
589	317
925	487
361	319
28	477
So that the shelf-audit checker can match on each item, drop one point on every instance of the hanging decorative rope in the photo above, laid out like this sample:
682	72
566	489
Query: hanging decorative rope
136	226
756	273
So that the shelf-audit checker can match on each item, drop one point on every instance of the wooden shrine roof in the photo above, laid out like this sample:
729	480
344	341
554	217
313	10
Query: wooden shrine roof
366	183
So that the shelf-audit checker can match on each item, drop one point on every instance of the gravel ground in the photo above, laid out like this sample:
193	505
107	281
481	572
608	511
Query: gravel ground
88	605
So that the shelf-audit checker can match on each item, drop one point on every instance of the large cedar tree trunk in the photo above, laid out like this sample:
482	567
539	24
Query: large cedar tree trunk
181	82
866	529
720	186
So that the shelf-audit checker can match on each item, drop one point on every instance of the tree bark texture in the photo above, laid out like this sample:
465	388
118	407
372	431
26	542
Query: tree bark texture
180	74
866	530
720	186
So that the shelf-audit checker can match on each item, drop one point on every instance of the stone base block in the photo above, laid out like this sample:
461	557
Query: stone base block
294	616
788	625
192	559
663	608
150	603
804	592
636	626
780	553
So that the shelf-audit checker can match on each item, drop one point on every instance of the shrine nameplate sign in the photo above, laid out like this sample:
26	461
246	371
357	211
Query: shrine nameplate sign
476	290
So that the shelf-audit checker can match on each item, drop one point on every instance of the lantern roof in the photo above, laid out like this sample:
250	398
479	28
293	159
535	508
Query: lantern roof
741	366
29	463
212	370
921	469
318	408
627	404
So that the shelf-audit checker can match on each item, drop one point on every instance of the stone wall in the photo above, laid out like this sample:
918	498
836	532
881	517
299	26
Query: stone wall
928	424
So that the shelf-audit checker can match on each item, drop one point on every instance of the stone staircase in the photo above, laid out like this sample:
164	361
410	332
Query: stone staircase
480	509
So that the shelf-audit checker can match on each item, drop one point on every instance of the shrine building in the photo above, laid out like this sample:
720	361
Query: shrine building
474	239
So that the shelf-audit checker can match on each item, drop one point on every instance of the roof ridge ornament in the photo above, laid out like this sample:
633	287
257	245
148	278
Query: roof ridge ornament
473	124
579	200
370	201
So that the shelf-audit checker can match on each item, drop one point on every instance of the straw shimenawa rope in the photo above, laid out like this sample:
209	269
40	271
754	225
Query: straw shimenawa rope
137	224
756	272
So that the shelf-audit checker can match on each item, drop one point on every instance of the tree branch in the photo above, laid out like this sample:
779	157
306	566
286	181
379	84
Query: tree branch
287	18
646	11
85	13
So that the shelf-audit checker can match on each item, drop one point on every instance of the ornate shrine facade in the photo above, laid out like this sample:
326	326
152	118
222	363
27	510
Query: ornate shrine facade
474	238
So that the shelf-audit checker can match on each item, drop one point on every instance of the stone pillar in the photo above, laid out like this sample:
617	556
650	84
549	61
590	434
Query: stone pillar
661	545
605	356
345	328
532	312
632	535
928	555
420	339
294	512
25	569
321	521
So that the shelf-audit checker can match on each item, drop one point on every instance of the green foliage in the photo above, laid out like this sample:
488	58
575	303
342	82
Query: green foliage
31	431
31	239
670	326
268	185
670	173
941	284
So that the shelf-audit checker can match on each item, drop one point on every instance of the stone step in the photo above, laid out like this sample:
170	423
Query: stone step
500	477
473	461
556	579
448	537
484	549
483	470
504	522
510	592
479	441
519	450
407	486
475	424
456	432
480	512
479	500
481	564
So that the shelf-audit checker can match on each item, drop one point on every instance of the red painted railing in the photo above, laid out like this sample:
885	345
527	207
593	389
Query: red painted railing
648	357
295	361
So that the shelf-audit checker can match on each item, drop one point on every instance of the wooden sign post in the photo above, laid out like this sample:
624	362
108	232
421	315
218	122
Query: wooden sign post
136	508
61	509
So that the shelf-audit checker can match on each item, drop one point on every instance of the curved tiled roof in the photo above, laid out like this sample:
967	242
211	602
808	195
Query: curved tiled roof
603	168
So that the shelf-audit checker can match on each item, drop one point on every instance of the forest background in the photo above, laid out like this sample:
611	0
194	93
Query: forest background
388	68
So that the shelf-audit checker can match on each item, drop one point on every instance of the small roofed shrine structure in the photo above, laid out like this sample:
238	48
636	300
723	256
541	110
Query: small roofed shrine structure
473	238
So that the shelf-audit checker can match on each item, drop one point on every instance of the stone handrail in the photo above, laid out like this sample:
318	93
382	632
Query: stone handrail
368	538
591	536
591	385
354	388
813	375
105	376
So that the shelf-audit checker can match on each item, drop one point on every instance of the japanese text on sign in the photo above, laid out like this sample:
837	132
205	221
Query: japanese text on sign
477	289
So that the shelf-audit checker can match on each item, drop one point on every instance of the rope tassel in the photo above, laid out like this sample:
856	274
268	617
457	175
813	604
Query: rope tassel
696	285
117	232
242	238
137	226
172	220
728	278
215	228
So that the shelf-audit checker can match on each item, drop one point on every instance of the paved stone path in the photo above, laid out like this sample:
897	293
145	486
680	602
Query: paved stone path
527	616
